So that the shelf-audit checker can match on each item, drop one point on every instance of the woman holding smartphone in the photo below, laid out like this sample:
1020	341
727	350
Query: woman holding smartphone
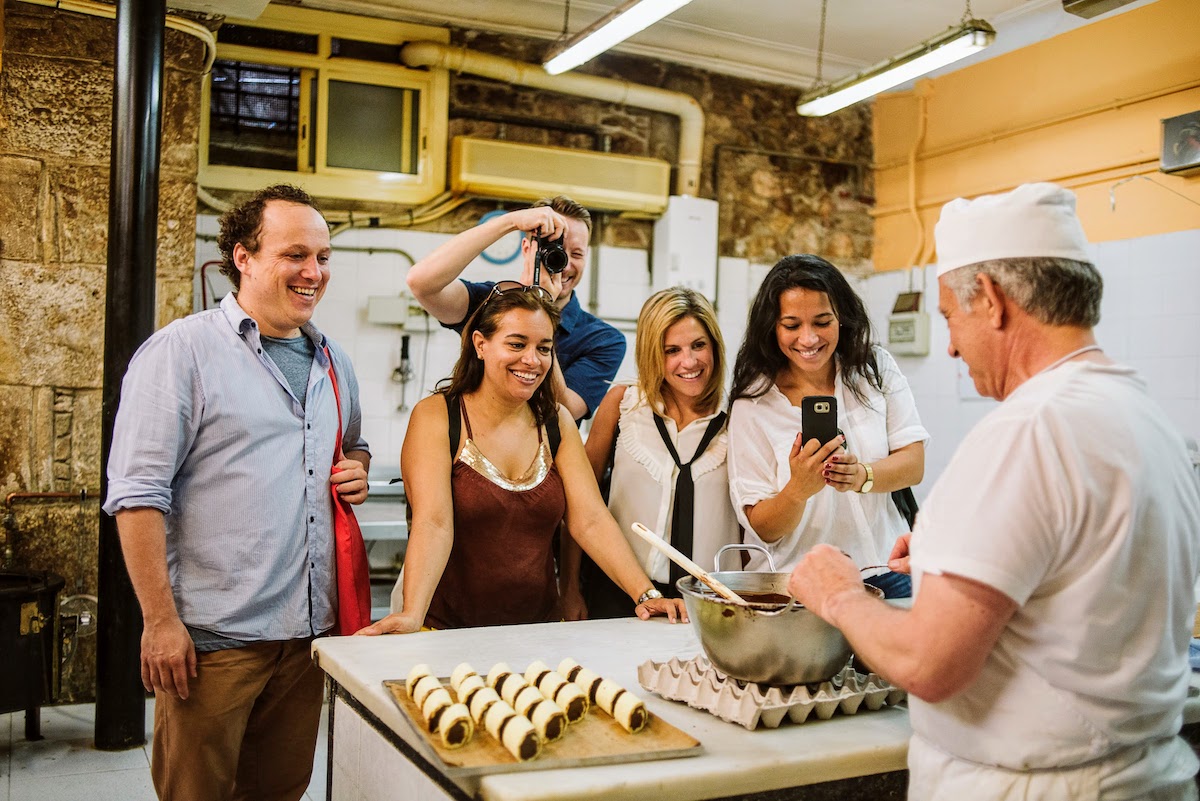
808	334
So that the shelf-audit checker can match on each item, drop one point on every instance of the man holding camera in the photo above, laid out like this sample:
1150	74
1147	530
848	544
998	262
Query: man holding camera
589	350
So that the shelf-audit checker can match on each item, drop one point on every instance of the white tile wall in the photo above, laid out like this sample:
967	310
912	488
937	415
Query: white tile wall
1150	319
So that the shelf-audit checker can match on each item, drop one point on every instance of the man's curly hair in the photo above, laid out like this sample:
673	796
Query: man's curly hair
243	223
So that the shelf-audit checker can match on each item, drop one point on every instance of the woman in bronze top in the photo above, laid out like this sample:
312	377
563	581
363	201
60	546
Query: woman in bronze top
485	505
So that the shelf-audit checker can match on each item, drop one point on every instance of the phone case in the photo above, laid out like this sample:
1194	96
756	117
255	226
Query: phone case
818	418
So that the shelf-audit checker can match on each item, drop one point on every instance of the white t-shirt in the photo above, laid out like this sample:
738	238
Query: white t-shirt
643	485
761	433
1074	498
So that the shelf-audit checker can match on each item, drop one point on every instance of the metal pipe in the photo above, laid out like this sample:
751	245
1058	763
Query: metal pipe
181	24
128	321
12	497
686	107
528	121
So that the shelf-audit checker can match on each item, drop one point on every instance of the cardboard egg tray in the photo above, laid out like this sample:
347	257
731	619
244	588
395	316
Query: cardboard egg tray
698	684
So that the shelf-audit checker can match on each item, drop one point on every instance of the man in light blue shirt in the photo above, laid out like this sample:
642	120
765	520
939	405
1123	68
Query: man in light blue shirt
219	478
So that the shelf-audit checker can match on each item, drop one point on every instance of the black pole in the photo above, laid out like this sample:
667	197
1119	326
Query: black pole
129	321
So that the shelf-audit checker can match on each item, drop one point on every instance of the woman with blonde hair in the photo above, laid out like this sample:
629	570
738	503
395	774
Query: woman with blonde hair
665	440
492	464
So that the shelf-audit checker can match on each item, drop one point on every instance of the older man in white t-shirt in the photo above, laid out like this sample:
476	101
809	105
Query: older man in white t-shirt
1054	561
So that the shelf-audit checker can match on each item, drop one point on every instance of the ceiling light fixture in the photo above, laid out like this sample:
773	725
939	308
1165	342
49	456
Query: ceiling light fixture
957	43
613	28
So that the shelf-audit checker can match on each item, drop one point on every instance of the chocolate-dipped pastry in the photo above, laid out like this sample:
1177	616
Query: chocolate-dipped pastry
461	672
468	687
570	698
423	687
625	708
481	699
417	672
456	726
515	732
436	702
547	717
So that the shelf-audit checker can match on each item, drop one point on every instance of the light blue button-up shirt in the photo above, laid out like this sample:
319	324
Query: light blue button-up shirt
209	433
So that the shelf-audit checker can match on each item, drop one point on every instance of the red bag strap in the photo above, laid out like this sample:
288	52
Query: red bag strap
337	399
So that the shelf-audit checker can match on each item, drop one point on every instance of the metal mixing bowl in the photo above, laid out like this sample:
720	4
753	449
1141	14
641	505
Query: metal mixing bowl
763	642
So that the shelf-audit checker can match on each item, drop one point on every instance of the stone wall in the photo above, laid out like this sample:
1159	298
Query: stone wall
55	141
786	183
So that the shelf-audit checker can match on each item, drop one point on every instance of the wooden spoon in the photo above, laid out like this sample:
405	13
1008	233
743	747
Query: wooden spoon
674	554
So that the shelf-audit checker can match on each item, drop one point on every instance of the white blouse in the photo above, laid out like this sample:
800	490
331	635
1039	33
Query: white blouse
643	485
761	433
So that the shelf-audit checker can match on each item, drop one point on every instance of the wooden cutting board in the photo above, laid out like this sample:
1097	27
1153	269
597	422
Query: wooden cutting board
595	740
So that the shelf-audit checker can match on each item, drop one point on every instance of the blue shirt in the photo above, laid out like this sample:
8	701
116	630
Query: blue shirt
589	349
209	433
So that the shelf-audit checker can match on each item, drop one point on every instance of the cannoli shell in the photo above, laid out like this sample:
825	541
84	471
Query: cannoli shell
417	672
456	727
459	673
515	732
481	700
423	687
435	704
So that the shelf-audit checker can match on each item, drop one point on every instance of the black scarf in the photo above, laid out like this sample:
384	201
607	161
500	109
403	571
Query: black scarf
685	490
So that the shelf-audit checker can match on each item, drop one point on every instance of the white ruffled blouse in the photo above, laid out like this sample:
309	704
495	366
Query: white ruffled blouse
643	486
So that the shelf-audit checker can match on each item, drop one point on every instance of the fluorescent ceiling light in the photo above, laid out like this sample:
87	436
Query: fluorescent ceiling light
613	28
954	44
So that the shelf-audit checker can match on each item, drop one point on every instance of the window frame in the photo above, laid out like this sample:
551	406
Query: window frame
432	87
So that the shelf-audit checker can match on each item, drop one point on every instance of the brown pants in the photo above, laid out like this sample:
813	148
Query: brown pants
248	729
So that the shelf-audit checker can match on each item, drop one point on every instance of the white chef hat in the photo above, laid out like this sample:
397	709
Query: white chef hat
1033	220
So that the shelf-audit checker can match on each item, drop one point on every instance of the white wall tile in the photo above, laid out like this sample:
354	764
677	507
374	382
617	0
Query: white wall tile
1150	319
1164	335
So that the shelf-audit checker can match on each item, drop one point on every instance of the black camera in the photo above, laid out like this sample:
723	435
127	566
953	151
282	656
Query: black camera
551	254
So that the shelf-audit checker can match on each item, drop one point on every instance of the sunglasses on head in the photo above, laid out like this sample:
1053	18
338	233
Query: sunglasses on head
516	286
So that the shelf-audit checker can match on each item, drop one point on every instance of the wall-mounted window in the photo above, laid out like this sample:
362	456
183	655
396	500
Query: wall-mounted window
321	100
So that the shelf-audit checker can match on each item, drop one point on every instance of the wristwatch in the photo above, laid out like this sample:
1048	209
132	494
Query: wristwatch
649	595
870	482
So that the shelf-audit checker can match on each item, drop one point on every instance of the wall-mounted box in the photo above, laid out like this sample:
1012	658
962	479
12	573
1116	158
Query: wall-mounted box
908	326
1181	144
387	309
517	171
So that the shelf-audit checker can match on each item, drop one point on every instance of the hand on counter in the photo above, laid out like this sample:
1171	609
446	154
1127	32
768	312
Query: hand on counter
395	623
673	608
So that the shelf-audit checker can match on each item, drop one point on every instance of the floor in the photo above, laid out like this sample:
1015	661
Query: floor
65	767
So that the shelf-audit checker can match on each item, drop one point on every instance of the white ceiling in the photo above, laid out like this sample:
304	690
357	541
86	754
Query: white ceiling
769	40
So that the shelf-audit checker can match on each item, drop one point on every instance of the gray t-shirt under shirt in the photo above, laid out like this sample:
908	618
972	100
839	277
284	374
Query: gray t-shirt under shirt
294	359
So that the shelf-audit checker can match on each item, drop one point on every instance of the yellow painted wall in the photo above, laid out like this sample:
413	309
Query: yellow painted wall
1082	109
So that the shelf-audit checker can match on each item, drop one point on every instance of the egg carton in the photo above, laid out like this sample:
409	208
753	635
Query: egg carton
698	684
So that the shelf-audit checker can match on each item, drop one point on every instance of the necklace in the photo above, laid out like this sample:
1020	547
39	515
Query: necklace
1068	357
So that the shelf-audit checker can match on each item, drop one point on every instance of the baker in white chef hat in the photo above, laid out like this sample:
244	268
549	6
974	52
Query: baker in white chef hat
1045	653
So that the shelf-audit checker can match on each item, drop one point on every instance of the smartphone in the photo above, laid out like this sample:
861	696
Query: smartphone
818	418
